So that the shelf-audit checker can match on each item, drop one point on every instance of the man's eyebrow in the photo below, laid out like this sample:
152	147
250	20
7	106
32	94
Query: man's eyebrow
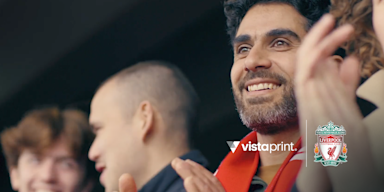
65	158
241	39
283	32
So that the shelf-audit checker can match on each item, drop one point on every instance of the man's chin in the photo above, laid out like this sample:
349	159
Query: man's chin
111	185
258	101
273	127
266	129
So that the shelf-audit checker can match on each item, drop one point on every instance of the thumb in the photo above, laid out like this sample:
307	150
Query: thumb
350	74
127	183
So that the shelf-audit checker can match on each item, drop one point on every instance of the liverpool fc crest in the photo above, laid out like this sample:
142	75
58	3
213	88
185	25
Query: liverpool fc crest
330	149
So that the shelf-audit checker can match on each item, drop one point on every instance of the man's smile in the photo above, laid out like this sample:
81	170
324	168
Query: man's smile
256	87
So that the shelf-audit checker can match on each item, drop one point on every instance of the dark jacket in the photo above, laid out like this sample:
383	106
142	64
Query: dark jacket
167	180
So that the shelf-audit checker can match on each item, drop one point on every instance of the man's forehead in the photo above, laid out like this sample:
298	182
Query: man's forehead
104	96
105	99
58	150
95	105
262	18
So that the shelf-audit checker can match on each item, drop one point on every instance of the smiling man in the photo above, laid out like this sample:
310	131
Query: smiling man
265	35
264	44
47	152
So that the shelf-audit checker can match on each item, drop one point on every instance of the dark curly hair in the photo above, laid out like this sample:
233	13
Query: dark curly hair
364	43
235	11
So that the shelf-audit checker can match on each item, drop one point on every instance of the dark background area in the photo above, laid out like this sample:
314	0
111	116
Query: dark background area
58	52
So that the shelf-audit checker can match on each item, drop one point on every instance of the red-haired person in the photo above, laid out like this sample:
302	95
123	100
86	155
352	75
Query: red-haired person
47	152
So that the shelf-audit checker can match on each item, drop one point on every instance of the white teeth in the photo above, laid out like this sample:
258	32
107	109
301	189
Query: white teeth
262	86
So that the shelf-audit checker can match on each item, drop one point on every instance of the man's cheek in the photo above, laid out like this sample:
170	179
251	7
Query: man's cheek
71	180
235	73
233	81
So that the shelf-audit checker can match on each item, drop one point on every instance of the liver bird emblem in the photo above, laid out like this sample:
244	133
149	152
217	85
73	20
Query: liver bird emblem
331	151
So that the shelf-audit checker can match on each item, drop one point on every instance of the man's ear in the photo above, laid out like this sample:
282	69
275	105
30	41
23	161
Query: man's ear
14	176
147	118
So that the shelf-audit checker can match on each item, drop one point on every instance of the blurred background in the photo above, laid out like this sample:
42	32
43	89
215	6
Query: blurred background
58	52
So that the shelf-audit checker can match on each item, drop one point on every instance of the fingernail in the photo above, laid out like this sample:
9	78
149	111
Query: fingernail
175	161
323	17
351	26
326	17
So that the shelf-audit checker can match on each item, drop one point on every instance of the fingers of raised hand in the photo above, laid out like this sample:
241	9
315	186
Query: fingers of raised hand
197	184
207	176
306	55
320	43
182	168
330	43
318	32
127	183
350	75
196	177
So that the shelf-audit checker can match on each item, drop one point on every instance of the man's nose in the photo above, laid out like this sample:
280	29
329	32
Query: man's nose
256	59
94	153
48	172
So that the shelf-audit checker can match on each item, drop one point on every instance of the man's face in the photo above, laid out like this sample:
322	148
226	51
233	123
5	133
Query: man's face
54	170
116	149
264	63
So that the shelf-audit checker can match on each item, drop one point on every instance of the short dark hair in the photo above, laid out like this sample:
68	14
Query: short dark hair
165	85
235	11
177	81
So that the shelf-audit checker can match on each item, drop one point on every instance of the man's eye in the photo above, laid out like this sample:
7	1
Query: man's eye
280	43
243	49
67	164
34	160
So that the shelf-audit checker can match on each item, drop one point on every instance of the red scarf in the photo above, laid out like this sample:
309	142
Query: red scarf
237	169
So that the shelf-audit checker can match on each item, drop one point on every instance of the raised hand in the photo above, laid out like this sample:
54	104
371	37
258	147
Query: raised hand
196	177
127	183
325	90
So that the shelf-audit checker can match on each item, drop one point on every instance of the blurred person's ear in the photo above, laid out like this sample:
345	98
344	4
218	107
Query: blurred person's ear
146	117
14	176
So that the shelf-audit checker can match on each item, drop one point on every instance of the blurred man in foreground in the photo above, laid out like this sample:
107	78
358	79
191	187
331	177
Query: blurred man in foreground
142	117
47	152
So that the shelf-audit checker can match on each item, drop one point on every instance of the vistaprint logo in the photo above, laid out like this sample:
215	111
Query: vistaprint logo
261	147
